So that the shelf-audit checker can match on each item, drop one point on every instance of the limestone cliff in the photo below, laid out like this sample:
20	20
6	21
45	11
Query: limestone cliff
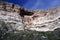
20	18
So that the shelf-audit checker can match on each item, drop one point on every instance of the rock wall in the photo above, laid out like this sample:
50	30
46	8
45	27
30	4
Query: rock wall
44	20
10	15
21	18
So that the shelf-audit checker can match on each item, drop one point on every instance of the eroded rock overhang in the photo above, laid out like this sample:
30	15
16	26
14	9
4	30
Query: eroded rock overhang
39	20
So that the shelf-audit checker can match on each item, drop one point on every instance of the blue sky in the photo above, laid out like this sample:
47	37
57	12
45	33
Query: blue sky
36	4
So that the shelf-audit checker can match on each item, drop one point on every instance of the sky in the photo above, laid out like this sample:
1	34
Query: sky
36	4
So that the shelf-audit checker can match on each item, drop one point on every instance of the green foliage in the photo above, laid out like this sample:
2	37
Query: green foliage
27	34
33	35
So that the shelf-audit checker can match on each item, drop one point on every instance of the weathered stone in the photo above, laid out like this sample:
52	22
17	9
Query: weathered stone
39	20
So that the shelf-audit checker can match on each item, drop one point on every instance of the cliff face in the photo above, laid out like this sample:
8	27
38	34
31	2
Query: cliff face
43	20
21	18
9	13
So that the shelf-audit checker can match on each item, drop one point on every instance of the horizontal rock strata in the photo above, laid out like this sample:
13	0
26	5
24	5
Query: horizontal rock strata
21	18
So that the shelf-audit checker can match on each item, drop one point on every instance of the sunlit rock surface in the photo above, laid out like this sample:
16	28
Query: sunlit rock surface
11	19
45	24
19	18
44	20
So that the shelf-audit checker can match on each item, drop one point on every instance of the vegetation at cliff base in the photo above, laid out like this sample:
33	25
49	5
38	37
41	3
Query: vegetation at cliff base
5	34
